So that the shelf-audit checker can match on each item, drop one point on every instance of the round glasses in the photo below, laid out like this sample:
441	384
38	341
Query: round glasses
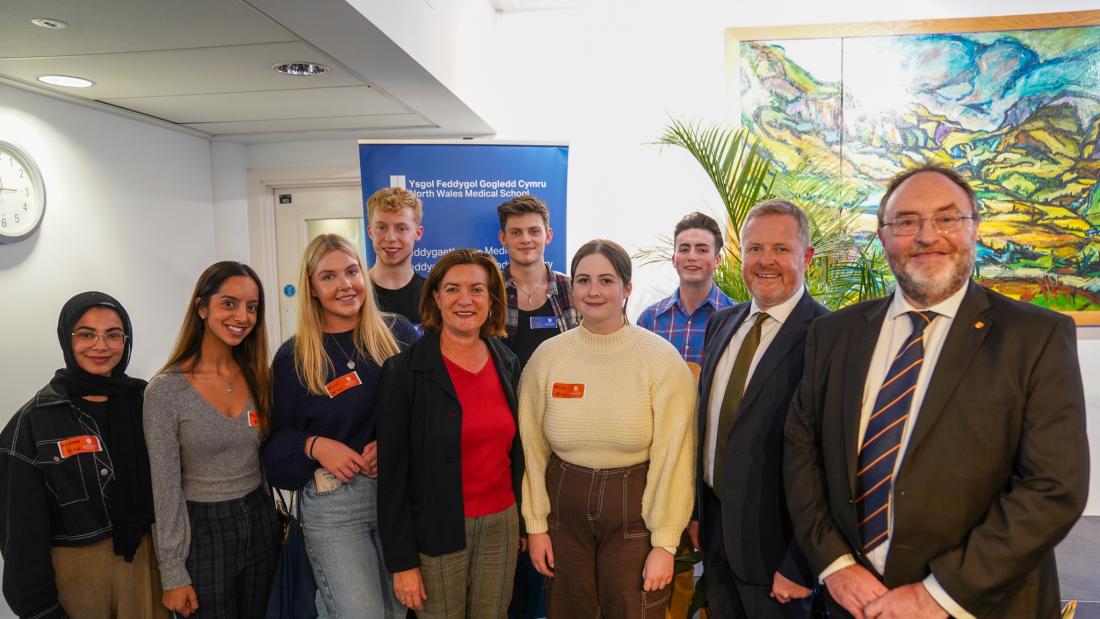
113	339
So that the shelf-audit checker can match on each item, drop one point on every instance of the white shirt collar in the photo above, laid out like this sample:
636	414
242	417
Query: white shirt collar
948	307
780	312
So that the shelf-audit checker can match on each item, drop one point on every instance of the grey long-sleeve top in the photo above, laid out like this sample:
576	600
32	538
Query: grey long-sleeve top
195	454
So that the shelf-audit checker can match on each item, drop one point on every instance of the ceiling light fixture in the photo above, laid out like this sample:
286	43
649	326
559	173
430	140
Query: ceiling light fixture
49	23
309	69
66	80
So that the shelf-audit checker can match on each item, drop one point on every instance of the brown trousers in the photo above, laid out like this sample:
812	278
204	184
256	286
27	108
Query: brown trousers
600	544
95	583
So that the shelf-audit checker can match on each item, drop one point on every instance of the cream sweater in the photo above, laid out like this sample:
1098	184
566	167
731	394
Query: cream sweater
610	401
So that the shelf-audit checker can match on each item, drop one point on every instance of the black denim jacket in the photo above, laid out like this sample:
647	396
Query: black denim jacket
47	499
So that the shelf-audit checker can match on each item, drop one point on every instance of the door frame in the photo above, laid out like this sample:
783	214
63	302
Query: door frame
262	183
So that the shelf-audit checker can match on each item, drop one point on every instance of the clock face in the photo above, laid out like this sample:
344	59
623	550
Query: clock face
22	194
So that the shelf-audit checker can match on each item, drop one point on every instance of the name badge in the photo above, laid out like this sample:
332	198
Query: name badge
342	384
79	445
544	322
567	390
253	419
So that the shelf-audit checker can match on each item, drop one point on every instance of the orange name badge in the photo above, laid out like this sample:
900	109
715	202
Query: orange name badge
253	419
79	445
567	390
342	384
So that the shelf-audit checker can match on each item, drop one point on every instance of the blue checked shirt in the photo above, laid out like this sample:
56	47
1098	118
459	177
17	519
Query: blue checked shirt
668	319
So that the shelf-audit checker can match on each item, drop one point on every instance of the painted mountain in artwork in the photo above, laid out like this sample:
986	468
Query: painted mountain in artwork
1018	112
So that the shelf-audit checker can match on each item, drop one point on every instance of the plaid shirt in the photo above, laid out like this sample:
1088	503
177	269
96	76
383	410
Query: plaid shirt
668	319
558	290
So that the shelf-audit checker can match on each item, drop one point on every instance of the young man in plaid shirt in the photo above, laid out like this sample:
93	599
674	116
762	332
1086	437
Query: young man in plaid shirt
540	299
681	318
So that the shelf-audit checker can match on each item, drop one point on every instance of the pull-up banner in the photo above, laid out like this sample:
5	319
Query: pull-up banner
461	184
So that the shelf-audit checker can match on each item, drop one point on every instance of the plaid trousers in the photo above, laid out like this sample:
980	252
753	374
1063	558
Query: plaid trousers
234	550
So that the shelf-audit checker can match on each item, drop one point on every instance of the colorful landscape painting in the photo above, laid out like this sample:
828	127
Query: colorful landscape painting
1018	112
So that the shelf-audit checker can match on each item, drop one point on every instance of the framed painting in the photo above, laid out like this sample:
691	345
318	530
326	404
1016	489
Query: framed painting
1011	102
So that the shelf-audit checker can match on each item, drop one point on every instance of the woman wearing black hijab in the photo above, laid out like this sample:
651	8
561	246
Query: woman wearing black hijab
76	502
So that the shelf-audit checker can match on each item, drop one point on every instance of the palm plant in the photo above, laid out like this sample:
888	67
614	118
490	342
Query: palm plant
844	270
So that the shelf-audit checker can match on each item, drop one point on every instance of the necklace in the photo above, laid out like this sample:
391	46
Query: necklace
350	364
232	379
530	294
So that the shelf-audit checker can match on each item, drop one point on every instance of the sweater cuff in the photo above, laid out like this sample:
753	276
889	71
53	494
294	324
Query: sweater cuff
174	576
666	537
536	525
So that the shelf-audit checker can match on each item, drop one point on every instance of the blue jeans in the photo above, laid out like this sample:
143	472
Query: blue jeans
341	533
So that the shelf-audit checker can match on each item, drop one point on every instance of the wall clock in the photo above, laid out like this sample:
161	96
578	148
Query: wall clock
22	194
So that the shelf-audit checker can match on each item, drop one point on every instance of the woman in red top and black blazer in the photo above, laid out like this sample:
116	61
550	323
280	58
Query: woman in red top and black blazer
449	457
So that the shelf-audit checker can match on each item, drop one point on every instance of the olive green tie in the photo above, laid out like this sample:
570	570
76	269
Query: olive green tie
735	388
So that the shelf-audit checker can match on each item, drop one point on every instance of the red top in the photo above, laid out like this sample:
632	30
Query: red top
488	430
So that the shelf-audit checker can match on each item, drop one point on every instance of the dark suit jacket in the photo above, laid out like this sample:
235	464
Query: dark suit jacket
420	507
996	469
755	523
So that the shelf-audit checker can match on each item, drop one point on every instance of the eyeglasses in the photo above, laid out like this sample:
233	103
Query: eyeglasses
114	339
944	223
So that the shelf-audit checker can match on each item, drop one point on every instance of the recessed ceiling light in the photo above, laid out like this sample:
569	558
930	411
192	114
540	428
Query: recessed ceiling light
301	68
49	23
66	80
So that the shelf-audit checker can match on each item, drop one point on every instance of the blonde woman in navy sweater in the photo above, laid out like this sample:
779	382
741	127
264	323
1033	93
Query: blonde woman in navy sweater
322	439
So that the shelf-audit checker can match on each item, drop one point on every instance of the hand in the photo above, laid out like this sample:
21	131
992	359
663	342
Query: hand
408	586
340	460
181	600
370	455
911	600
657	573
784	589
693	534
542	553
853	588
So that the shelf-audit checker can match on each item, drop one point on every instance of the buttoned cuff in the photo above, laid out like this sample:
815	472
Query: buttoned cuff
840	563
943	599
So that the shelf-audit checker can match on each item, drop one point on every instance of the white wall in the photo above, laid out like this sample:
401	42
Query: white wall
128	212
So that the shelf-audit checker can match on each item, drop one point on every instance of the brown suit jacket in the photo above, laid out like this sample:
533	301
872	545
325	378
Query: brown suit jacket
995	472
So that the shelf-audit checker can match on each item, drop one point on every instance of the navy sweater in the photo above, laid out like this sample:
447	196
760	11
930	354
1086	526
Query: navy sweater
297	414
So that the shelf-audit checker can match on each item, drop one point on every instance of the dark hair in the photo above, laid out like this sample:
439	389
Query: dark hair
701	221
777	206
948	173
521	205
430	315
251	354
615	254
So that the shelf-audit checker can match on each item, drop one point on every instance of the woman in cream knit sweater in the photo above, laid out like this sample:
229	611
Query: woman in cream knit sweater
606	419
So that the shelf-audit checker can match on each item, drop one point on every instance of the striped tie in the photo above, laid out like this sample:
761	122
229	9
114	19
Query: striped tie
882	440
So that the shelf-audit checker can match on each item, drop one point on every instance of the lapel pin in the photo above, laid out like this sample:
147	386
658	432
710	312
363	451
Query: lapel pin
979	325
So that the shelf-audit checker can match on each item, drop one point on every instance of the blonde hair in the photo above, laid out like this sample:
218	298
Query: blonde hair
372	336
392	200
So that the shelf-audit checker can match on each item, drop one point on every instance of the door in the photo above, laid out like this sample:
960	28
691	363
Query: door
301	214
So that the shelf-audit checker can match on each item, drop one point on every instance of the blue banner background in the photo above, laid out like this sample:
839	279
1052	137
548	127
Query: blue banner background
461	186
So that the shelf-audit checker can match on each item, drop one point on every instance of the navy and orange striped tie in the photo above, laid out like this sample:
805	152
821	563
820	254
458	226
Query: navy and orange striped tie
882	439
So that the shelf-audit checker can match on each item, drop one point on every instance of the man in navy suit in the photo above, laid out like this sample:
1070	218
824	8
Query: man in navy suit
936	448
752	363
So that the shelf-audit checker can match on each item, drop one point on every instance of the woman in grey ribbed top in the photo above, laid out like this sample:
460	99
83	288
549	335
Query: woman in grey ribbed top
216	532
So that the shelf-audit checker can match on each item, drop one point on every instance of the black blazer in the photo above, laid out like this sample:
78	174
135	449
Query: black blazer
756	526
420	507
996	469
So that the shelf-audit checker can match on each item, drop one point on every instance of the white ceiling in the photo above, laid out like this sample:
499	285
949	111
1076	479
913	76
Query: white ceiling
205	66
